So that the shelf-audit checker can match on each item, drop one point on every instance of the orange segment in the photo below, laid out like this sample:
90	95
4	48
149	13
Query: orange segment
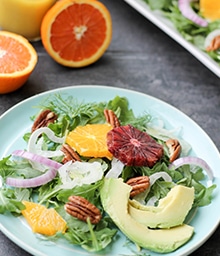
42	220
17	61
210	9
76	33
90	140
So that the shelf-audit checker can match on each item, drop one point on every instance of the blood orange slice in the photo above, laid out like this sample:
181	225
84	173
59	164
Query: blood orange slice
133	147
76	33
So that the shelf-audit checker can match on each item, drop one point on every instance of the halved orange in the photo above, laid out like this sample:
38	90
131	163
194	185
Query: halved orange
210	9
42	220
90	140
76	33
18	59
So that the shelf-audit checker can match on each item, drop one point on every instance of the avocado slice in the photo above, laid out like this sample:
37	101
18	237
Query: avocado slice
170	212
115	197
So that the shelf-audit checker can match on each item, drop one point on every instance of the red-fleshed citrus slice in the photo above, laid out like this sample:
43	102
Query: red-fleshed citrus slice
133	147
76	33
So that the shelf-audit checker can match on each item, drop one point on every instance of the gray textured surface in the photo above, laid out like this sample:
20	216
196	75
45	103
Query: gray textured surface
142	58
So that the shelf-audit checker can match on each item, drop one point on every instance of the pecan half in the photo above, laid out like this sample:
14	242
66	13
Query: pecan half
70	154
214	45
44	119
111	118
174	148
82	209
138	184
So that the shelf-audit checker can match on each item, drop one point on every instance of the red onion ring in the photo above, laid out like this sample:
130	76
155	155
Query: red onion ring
188	12
193	161
37	158
32	182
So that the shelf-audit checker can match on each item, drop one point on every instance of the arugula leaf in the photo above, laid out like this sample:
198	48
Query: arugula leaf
5	168
89	192
203	195
10	200
72	113
162	4
184	175
88	236
17	168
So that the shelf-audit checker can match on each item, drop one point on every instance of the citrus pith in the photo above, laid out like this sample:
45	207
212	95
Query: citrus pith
18	59
76	33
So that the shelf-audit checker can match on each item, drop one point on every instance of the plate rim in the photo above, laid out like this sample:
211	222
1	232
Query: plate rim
143	8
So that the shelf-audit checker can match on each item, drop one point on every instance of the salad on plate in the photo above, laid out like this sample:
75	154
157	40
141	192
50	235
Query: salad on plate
198	21
98	169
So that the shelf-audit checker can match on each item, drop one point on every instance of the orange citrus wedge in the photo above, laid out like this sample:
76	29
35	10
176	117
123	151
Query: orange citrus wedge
42	220
210	9
18	59
90	140
76	33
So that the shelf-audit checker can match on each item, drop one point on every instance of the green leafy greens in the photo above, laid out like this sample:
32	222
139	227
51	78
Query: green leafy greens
189	30
72	113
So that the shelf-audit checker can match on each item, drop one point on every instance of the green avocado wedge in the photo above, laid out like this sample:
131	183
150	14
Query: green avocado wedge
170	212
115	197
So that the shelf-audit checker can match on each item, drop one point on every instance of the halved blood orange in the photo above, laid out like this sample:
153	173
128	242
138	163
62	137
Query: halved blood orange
76	33
17	61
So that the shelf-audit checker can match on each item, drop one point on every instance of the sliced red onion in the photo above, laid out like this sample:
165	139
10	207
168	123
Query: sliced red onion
36	158
32	182
188	12
191	160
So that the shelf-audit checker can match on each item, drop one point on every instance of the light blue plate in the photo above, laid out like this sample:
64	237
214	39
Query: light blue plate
16	121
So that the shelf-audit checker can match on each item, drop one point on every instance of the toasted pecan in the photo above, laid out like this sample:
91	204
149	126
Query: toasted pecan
44	119
111	118
82	209
174	148
69	154
138	184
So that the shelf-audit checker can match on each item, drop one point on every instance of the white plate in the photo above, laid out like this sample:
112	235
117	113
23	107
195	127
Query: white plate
16	121
167	26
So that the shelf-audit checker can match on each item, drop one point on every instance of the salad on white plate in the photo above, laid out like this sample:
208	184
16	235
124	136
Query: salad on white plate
184	21
188	16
